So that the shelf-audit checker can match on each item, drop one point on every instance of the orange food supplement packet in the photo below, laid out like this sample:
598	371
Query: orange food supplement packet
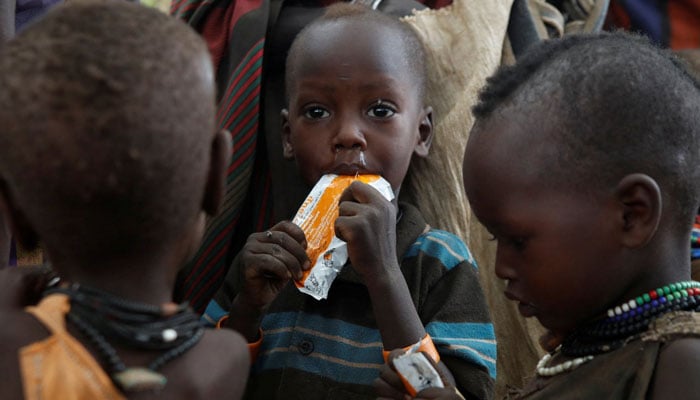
316	217
416	372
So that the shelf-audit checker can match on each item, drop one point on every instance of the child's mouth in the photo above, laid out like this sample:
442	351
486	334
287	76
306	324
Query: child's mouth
526	310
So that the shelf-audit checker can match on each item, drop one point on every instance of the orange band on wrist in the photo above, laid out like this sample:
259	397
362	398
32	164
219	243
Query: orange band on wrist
253	348
221	321
425	345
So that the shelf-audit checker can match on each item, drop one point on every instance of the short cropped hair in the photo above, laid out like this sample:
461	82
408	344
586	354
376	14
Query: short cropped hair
106	121
413	50
615	104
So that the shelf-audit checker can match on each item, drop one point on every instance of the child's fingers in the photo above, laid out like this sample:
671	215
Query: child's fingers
286	242
361	192
282	244
388	384
446	393
268	257
350	208
290	229
267	266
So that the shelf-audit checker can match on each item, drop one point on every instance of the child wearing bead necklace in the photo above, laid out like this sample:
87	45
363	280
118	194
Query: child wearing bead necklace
109	157
583	166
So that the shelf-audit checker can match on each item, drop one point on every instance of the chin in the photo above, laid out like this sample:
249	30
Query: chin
556	325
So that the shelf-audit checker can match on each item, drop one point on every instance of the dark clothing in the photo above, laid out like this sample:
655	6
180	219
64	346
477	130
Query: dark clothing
625	373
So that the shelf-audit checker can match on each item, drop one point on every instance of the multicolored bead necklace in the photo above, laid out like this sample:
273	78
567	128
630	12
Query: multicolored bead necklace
695	239
622	323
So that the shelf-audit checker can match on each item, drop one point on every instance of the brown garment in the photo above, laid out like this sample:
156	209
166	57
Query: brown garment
625	373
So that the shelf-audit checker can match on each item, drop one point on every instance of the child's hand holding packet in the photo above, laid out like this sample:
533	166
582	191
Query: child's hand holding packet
316	217
416	372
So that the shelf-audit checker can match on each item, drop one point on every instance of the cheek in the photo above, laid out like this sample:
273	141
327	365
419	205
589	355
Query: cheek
312	158
308	170
396	162
547	266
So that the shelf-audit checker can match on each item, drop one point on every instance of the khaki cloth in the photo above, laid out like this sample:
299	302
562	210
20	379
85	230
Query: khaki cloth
464	44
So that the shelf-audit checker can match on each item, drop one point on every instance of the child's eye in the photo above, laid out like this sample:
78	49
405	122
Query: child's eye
518	242
316	112
381	110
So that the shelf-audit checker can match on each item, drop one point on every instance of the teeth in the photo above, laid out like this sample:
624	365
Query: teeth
362	159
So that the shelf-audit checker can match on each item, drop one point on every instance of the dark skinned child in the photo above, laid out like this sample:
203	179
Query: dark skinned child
583	165
356	85
109	157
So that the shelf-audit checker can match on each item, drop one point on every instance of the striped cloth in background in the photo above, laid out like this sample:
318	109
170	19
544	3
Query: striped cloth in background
247	203
674	24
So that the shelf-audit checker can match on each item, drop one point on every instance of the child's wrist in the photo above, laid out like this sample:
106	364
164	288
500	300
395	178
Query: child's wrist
245	320
424	345
245	309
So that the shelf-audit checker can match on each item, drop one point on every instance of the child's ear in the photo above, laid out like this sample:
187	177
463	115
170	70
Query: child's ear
287	148
425	132
221	147
22	231
641	202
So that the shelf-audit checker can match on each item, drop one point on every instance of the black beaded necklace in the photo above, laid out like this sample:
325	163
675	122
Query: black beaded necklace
100	316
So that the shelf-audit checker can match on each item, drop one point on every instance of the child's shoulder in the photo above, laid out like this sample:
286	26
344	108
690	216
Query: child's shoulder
676	371
449	248
217	367
679	358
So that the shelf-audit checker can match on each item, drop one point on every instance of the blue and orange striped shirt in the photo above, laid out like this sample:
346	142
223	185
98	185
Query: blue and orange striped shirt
333	349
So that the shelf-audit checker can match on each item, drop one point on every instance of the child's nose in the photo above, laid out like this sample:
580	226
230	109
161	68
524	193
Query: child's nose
349	135
504	268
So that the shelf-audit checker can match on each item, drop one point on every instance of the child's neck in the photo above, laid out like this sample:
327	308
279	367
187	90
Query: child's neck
624	322
146	282
632	317
122	332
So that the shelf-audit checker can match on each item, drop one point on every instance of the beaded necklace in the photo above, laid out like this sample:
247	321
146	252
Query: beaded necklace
543	370
622	324
695	239
172	329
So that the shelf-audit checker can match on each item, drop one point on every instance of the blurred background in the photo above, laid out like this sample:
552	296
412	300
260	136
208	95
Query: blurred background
163	5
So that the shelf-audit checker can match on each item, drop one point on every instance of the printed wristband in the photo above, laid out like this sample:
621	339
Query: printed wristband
253	348
425	345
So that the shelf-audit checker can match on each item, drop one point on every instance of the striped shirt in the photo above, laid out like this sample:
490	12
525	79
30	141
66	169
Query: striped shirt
332	348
